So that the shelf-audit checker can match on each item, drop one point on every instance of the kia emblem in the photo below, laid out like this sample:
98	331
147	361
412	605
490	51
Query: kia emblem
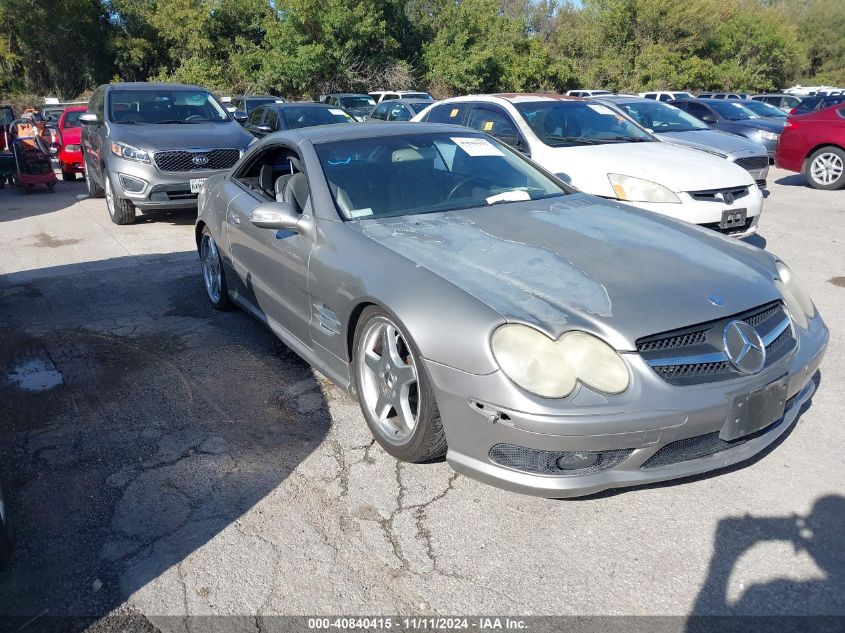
200	160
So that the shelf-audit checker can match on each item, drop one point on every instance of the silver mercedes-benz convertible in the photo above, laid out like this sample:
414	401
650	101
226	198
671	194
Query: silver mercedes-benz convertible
546	341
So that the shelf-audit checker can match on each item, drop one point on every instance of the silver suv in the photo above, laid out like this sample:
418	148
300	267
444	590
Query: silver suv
152	145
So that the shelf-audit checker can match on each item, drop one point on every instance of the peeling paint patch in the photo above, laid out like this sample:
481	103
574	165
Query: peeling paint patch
36	374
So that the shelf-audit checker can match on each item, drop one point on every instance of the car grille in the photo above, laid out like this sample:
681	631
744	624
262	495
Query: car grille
696	354
703	445
718	195
753	163
186	160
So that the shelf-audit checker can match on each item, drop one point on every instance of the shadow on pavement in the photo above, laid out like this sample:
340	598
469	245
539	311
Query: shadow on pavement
136	425
756	240
793	180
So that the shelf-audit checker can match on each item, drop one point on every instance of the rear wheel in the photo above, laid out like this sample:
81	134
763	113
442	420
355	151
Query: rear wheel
94	189
121	211
68	175
213	274
825	168
394	390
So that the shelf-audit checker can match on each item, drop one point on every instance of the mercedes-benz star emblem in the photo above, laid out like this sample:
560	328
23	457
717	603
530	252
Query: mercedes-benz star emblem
200	160
744	347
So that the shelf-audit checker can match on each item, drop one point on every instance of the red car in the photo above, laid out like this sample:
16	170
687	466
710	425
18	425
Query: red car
814	144
70	156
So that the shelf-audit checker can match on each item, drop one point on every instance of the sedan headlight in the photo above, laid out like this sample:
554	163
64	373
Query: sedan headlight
639	190
769	136
797	301
73	148
551	369
129	153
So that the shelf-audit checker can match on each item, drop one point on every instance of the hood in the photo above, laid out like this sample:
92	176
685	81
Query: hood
714	140
582	262
160	137
768	125
678	168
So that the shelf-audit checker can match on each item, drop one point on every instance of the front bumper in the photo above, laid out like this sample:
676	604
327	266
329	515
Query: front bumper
481	412
709	213
72	162
157	189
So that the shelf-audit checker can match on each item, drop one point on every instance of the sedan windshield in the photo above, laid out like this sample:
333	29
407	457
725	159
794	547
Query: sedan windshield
662	118
571	123
417	95
309	116
357	102
764	109
389	176
72	118
165	106
732	110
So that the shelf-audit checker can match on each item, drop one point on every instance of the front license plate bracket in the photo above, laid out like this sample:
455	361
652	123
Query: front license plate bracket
733	218
755	410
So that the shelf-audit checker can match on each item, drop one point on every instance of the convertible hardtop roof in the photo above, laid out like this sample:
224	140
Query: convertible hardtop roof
346	131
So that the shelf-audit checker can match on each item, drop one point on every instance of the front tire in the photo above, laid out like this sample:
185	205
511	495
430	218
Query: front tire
394	390
213	273
121	211
825	168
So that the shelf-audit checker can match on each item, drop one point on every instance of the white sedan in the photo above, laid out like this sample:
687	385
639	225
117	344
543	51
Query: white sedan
602	152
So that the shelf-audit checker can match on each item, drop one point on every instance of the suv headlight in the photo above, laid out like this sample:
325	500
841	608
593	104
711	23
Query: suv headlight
639	190
797	301
552	369
769	136
129	153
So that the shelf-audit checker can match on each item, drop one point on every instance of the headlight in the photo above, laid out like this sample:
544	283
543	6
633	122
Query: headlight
769	136
130	153
639	190
73	148
551	369
797	301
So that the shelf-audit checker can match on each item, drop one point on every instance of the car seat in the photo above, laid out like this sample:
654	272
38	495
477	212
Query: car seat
296	191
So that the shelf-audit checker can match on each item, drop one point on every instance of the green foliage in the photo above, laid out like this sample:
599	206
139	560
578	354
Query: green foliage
304	47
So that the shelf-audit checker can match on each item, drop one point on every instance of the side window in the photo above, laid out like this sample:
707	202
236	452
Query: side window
650	95
696	109
97	103
390	96
277	174
272	119
380	112
665	97
254	118
494	122
332	100
399	112
448	113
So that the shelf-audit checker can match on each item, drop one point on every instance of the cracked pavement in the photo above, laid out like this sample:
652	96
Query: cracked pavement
188	464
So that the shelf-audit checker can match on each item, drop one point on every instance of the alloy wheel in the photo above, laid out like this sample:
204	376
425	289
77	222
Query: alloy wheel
826	168
211	273
109	194
389	384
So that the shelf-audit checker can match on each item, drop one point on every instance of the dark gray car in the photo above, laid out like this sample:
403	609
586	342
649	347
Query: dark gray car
151	145
358	105
730	115
277	117
672	125
545	340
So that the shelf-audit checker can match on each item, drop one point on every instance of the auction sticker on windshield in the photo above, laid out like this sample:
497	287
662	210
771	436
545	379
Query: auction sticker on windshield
476	146
338	112
196	184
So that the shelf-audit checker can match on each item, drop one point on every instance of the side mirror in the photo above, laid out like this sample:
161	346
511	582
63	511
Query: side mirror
708	118
88	118
239	116
279	216
266	129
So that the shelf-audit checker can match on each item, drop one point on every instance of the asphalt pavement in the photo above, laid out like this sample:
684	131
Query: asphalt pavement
166	460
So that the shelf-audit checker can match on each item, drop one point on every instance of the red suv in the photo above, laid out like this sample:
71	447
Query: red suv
70	156
814	144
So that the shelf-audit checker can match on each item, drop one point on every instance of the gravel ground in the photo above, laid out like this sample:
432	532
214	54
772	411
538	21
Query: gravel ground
166	460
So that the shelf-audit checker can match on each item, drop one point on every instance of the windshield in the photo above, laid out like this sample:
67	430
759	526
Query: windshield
660	117
682	95
418	106
357	102
165	106
732	111
571	123
311	116
426	173
72	118
764	109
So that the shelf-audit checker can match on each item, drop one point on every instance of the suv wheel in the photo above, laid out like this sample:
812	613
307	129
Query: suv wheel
121	211
94	189
825	168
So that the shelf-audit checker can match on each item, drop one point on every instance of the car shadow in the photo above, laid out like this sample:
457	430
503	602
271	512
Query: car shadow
15	205
785	604
793	180
137	425
756	240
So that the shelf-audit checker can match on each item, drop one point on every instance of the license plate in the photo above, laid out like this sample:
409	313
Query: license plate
196	184
732	218
756	410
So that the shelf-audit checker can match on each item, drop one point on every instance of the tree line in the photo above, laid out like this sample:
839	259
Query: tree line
301	48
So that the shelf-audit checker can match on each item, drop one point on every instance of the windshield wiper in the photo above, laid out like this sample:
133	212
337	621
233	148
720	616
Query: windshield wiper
576	140
180	122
